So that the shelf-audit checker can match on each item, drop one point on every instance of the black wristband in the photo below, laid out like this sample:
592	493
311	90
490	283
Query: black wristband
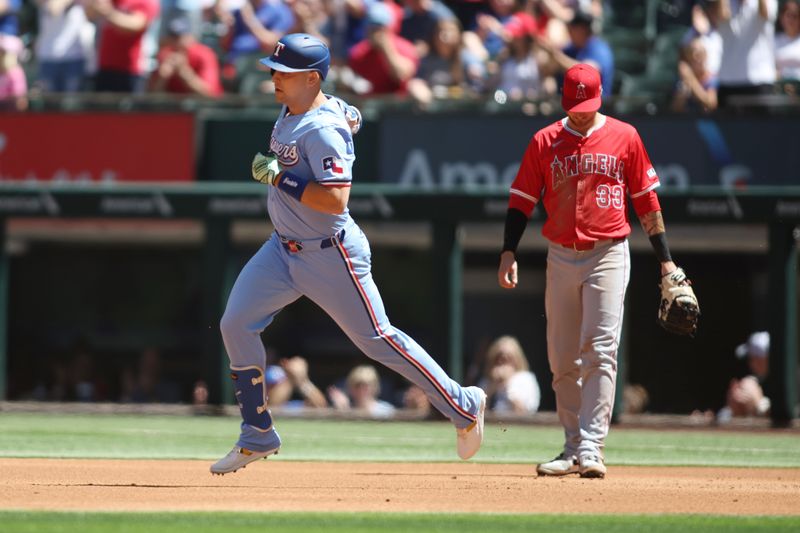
516	222
659	242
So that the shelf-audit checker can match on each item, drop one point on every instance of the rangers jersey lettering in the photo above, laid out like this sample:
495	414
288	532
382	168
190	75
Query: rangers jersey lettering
287	153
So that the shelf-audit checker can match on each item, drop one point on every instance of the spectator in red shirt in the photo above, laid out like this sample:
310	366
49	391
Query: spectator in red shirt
185	66
123	24
384	59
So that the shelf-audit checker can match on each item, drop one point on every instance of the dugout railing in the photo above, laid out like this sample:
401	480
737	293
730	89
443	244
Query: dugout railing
218	205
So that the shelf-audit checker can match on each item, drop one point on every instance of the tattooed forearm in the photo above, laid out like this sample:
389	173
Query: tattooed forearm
652	223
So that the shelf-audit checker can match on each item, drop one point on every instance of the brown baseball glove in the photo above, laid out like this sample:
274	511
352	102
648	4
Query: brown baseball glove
679	310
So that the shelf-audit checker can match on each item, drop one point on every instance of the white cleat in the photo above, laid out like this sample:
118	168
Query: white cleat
592	466
560	466
470	438
239	458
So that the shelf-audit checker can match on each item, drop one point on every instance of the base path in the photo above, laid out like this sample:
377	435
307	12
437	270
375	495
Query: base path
274	485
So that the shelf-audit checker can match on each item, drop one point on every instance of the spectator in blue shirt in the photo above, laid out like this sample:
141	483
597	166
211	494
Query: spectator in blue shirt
490	22
346	26
9	21
257	26
584	47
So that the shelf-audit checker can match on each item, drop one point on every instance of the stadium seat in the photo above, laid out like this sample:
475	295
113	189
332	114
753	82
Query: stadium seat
630	49
669	42
625	14
663	66
249	75
629	61
626	38
644	94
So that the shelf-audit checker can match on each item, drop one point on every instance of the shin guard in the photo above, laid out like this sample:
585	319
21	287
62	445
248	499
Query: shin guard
251	395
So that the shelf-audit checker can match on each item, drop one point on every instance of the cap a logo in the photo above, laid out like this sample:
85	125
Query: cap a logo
278	47
580	91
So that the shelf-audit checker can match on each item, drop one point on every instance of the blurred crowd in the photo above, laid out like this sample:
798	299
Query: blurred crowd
505	375
499	366
738	48
420	49
423	48
153	377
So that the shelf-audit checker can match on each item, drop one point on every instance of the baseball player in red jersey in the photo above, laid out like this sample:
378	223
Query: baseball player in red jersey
583	168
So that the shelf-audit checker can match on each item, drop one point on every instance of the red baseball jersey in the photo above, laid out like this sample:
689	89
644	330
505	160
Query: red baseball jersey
121	50
203	61
369	63
584	181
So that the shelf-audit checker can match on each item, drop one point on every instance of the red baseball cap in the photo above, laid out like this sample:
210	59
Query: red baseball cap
582	89
520	25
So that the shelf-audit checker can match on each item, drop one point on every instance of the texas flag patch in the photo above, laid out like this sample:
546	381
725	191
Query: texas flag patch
334	164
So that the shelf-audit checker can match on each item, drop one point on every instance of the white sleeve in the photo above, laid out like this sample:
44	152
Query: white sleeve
524	389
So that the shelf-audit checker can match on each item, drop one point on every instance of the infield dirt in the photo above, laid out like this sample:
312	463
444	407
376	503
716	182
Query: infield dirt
273	485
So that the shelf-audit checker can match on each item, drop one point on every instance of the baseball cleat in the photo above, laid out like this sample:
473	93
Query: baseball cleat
470	438
560	466
239	458
592	466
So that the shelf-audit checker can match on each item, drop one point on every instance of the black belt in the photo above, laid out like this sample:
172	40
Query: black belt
295	246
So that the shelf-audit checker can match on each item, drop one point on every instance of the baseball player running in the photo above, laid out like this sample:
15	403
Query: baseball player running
318	251
582	168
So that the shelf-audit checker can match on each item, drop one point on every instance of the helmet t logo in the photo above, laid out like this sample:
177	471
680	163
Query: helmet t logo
580	91
278	47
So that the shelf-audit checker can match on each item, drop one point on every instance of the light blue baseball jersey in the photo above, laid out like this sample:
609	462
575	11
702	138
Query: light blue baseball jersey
327	259
317	146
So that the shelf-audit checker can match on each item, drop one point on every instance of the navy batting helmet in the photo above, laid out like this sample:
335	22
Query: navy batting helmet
299	52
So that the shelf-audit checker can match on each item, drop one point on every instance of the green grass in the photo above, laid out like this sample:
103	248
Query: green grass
173	437
205	438
28	522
